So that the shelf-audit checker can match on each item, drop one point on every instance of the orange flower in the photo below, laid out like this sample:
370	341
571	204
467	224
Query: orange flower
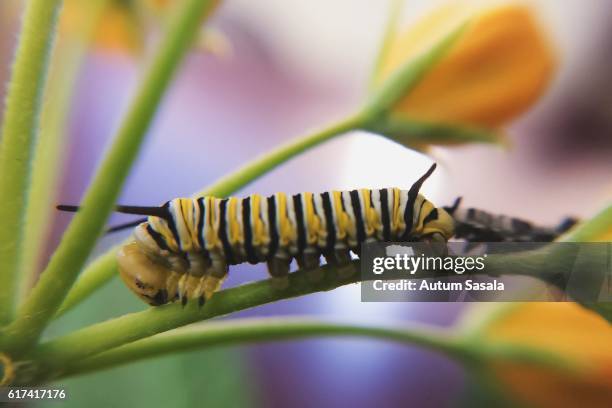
576	334
122	26
120	30
495	70
116	26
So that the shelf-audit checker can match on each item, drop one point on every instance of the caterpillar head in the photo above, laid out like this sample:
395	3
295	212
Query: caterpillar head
147	269
146	278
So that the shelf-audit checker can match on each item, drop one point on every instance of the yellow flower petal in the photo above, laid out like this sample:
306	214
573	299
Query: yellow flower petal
569	330
498	69
560	327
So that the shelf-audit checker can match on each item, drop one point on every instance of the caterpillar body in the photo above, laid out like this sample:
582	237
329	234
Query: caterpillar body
184	248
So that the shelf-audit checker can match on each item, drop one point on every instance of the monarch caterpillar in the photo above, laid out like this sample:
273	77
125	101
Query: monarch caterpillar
183	249
475	225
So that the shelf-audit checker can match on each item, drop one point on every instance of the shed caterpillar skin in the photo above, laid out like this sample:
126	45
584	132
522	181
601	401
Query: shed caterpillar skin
476	225
184	248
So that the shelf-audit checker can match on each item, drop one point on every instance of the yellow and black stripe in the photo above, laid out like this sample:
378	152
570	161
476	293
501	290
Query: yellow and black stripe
184	248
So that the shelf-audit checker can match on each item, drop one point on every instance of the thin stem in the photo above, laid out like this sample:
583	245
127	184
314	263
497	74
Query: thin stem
471	352
97	274
134	326
19	129
80	237
50	150
104	268
247	331
103	336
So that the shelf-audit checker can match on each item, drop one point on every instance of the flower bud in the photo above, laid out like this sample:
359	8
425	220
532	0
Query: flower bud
579	337
495	69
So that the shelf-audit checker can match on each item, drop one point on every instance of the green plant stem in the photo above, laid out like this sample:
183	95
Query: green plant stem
134	326
19	129
80	237
468	351
103	336
50	151
104	268
97	274
247	331
236	331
